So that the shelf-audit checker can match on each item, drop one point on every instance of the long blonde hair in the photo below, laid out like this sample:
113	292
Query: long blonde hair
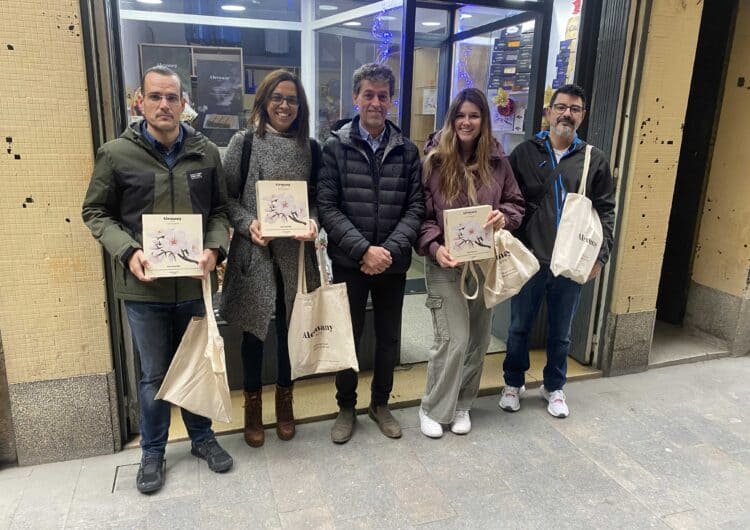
455	175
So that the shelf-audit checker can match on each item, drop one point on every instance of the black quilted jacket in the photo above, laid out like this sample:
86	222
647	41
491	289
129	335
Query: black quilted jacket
362	202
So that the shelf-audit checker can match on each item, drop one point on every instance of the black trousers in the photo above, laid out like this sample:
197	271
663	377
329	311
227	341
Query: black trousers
252	349
387	292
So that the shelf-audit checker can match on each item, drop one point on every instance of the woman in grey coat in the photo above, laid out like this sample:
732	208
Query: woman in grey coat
261	275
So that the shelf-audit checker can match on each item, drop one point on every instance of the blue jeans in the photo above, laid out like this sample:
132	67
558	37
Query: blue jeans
562	301
157	331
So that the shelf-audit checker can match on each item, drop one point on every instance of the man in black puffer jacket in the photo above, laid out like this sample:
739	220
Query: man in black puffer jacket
371	205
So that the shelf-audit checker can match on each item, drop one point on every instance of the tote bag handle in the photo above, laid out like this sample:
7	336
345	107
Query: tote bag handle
586	164
215	349
470	268
301	278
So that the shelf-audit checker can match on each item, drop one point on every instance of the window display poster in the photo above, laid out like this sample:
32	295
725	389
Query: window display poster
178	58
218	96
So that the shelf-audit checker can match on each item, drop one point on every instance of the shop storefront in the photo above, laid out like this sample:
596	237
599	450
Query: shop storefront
518	52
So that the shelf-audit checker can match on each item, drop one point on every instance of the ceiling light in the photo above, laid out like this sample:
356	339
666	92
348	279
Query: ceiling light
352	23
387	17
431	24
149	1
232	7
464	15
327	7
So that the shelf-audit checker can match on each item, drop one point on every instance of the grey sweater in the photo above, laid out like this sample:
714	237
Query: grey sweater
249	292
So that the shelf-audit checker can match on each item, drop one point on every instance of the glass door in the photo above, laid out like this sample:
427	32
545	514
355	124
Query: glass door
505	59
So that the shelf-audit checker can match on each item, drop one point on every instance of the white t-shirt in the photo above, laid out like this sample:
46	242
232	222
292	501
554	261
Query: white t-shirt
559	154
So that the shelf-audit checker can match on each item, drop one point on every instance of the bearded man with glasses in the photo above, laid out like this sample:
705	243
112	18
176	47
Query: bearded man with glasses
547	167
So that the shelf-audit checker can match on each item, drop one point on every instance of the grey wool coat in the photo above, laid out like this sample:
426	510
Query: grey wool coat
249	292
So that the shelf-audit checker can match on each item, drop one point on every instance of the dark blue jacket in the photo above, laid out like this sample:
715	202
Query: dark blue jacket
363	201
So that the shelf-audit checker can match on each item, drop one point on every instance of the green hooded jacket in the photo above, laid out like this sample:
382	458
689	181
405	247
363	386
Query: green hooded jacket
130	179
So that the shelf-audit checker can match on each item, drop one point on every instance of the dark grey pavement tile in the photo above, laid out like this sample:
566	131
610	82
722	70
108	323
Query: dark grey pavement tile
51	487
15	473
318	518
690	520
174	513
246	515
9	499
353	485
247	480
386	517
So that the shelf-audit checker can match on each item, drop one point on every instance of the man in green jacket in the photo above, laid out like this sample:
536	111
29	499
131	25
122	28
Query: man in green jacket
159	165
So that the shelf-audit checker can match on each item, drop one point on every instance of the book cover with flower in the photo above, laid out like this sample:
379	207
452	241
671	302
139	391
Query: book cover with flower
173	244
282	207
465	237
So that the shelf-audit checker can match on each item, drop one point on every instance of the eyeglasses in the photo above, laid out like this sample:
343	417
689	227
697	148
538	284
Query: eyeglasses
156	97
292	101
560	108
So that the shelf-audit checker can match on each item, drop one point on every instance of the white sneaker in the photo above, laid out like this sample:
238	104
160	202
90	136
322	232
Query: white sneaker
461	422
510	399
556	403
428	426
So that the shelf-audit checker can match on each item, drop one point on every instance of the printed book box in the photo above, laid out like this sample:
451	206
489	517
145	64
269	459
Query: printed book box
282	207
173	244
465	237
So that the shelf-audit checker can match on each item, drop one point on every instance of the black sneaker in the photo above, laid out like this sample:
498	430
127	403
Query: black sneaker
218	459
150	476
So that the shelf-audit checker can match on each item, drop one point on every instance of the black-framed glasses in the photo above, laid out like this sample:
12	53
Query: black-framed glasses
560	108
292	101
156	97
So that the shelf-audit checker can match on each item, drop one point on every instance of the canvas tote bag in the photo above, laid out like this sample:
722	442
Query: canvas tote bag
579	234
508	272
320	336
197	377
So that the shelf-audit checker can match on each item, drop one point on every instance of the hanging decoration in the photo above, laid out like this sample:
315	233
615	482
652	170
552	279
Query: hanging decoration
462	73
504	103
382	35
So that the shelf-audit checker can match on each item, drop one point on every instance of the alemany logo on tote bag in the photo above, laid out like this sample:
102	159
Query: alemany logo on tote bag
579	234
320	335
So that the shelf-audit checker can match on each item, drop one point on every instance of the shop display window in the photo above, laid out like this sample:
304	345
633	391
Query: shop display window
344	46
470	16
219	66
288	10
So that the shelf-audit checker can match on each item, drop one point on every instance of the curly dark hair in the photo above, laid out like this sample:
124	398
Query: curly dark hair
374	72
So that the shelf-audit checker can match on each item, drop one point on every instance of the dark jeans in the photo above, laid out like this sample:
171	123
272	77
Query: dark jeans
252	350
157	331
387	292
562	301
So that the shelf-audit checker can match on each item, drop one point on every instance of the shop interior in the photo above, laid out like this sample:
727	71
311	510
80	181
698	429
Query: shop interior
518	52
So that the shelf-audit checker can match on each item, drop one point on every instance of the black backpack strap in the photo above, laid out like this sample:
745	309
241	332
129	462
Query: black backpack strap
247	150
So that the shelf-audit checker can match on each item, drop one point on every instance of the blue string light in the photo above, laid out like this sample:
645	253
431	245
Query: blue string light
462	73
382	36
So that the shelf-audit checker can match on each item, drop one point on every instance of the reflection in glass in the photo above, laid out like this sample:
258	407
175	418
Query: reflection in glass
470	16
342	48
288	10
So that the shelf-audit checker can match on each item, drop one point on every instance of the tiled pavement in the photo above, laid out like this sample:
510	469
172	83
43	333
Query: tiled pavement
668	448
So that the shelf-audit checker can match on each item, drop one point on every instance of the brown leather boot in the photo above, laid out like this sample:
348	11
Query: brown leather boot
254	434
284	413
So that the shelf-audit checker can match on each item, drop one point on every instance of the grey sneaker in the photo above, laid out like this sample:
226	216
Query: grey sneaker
218	459
343	427
556	404
510	399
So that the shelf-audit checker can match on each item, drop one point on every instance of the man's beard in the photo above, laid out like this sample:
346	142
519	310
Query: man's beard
564	129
